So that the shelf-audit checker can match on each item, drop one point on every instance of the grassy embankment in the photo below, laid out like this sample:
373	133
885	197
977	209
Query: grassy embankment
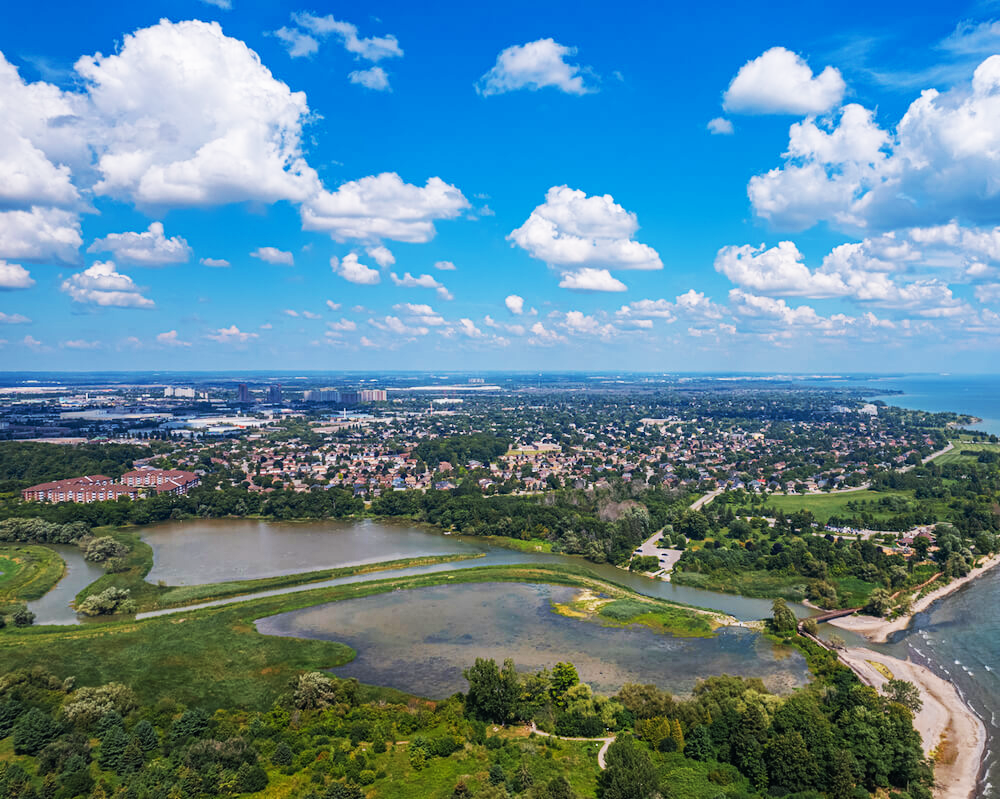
155	597
214	657
27	572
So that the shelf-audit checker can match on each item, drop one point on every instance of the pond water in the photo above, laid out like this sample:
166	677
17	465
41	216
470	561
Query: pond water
420	640
218	550
53	608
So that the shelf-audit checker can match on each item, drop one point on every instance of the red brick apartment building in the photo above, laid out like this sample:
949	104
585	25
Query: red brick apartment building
97	487
91	488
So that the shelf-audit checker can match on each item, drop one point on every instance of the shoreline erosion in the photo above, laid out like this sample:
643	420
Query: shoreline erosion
947	724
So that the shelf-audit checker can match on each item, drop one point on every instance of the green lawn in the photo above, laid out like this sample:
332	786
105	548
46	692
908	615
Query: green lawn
823	506
27	572
766	585
956	456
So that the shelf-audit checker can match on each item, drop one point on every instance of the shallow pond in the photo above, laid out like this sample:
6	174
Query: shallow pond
54	608
217	550
420	640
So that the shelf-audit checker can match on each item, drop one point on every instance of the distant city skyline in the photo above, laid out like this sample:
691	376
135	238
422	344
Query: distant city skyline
230	184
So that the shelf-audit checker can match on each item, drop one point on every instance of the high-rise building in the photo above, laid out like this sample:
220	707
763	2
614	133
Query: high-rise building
274	393
243	393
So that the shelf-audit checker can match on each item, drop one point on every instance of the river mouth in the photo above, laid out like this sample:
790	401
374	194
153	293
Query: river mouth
419	640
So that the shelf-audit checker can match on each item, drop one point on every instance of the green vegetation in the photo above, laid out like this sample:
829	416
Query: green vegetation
616	607
968	452
27	572
459	450
823	507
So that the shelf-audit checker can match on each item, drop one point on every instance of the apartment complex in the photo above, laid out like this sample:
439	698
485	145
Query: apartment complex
344	397
98	488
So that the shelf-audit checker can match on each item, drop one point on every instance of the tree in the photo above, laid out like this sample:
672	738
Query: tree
699	744
564	677
282	755
905	693
493	693
113	746
22	617
879	602
33	730
782	618
132	758
250	778
630	773
145	734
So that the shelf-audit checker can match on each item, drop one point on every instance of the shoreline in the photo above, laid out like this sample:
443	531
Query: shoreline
877	630
948	727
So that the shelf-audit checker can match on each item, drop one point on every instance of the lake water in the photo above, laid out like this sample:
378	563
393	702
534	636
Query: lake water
978	395
217	550
53	608
420	640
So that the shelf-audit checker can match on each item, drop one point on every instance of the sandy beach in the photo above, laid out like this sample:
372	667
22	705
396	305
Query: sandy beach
878	630
946	724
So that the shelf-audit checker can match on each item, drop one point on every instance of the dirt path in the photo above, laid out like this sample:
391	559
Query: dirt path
601	762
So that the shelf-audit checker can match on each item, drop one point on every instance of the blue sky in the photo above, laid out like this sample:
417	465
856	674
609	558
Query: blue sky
536	186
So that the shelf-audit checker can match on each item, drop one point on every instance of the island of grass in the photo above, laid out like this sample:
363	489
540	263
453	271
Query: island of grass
214	657
27	572
662	617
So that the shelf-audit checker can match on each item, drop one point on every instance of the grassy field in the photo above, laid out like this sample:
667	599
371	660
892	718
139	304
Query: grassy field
214	657
27	572
956	456
823	506
531	545
156	597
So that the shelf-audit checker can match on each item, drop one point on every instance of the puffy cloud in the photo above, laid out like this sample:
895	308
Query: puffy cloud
720	126
691	305
590	279
14	276
408	281
852	270
695	304
468	328
333	306
515	304
34	344
13	319
383	207
102	285
571	229
273	255
663	309
420	313
746	304
218	263
578	323
170	338
354	271
781	82
445	266
396	326
989	293
41	234
941	163
290	312
38	141
374	78
374	48
151	248
543	336
81	344
343	326
231	335
187	116
534	65
381	255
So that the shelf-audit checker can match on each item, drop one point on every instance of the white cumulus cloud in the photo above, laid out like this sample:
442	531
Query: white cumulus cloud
589	279
374	78
14	276
534	65
781	82
150	248
101	284
273	255
231	335
354	271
